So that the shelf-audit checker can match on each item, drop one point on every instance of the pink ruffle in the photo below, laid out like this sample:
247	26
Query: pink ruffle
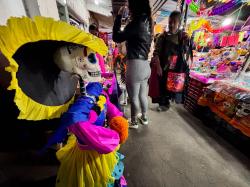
101	139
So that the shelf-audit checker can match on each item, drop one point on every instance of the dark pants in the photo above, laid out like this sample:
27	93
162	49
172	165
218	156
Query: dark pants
164	94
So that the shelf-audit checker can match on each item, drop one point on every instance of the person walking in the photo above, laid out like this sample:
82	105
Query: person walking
138	35
171	50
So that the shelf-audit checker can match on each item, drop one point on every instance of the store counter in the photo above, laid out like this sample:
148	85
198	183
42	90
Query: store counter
197	81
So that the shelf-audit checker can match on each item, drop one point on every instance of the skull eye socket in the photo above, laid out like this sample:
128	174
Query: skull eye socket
92	58
247	111
239	107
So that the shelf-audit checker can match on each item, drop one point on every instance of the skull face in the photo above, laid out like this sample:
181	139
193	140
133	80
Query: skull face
243	108
79	60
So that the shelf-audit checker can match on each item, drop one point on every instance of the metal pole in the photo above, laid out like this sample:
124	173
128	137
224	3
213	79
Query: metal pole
237	18
182	6
185	16
247	64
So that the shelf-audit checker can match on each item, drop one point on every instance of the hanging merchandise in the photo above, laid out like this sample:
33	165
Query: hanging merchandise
241	36
224	41
202	41
194	7
206	24
230	40
104	36
225	7
195	25
233	39
216	40
158	29
197	36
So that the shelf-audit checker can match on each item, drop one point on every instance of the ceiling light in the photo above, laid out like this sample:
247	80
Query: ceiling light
227	21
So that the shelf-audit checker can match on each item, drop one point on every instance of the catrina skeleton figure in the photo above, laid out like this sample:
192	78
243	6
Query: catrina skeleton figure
44	56
90	154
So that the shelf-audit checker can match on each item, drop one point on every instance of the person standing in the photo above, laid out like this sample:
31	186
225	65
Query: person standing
169	58
138	35
93	29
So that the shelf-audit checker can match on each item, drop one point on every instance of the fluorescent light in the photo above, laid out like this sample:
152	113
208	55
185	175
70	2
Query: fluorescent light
96	2
227	21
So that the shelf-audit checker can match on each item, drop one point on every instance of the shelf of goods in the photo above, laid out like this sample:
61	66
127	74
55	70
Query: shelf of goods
231	102
195	91
217	64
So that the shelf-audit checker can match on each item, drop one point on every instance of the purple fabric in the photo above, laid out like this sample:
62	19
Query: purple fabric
246	26
100	139
112	82
123	181
216	39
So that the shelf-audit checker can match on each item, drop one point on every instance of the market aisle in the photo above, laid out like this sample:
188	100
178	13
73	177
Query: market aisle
177	150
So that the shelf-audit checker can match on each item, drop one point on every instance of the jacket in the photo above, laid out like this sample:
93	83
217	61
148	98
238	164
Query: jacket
137	34
168	45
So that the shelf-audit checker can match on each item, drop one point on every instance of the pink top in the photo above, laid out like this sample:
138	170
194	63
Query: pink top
115	52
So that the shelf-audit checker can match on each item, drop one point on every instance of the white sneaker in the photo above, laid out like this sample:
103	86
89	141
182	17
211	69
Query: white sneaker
133	125
143	120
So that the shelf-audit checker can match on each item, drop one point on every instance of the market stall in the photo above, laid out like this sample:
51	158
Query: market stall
220	41
208	67
219	77
230	100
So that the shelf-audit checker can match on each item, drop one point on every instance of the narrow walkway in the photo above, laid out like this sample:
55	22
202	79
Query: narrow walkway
177	150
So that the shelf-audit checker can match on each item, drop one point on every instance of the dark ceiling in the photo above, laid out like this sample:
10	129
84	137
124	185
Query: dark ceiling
156	5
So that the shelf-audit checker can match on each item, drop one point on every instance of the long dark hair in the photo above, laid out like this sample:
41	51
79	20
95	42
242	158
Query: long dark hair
139	7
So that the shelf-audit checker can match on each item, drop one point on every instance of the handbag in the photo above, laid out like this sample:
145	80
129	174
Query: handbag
176	81
176	75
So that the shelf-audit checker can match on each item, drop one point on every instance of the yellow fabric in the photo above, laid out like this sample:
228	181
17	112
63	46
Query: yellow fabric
20	31
195	25
101	102
82	168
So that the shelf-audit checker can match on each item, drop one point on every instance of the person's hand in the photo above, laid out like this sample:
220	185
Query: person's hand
159	70
185	37
158	65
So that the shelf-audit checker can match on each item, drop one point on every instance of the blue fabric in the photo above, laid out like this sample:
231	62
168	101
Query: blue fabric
118	171
101	118
119	168
78	112
94	89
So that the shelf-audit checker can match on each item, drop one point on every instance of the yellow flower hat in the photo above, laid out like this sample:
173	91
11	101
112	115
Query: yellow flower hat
22	35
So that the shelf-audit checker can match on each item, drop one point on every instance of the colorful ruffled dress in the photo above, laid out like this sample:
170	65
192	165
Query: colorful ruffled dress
90	157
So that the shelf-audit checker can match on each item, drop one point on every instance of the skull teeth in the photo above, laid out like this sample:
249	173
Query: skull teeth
94	74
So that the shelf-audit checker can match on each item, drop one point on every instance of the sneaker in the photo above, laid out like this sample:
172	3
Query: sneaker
143	120
162	108
133	125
